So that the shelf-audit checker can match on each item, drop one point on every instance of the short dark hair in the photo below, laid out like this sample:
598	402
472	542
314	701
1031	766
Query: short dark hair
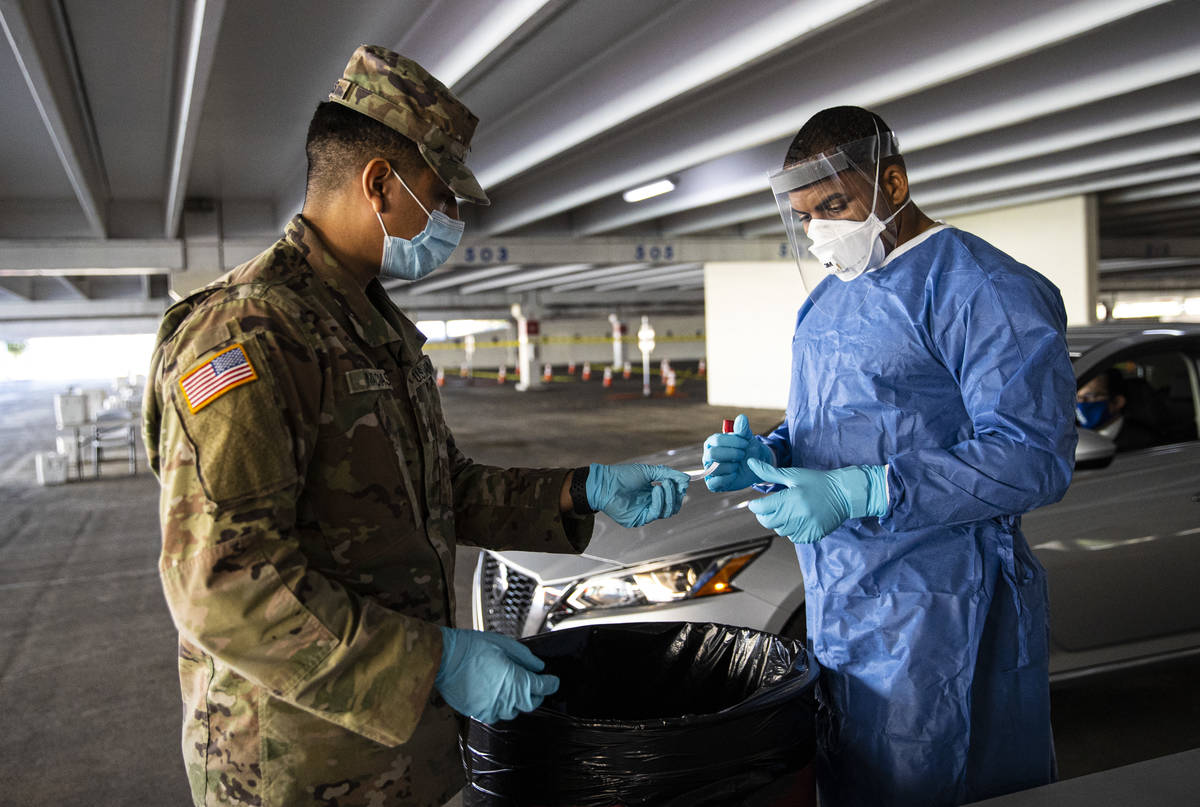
1114	379
341	141
831	128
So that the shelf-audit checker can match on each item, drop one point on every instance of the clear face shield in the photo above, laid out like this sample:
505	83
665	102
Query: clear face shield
832	208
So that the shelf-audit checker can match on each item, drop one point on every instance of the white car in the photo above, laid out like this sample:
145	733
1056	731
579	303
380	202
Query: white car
1122	549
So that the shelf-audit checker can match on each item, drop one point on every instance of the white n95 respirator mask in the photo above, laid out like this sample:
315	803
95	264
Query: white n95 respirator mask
847	248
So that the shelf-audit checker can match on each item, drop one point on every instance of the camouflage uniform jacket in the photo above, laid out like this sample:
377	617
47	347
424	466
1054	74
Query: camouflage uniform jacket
309	520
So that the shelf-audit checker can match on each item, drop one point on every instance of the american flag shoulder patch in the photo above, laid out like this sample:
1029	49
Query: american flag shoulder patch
228	369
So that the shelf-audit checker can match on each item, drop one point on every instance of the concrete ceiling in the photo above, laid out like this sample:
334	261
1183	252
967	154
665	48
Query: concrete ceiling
119	114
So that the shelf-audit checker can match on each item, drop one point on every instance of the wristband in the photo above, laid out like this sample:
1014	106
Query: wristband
579	499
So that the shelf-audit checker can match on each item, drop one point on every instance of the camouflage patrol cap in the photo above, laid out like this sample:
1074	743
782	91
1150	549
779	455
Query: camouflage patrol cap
401	94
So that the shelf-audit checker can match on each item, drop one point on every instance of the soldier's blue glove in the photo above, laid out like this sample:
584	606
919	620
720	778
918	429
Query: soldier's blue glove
490	677
627	493
727	453
817	502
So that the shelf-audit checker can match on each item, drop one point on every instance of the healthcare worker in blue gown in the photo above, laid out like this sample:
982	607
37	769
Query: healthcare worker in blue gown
932	403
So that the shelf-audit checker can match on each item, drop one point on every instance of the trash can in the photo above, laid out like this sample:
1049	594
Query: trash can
664	714
50	467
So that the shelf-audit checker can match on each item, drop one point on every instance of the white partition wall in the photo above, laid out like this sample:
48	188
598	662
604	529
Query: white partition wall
750	308
749	314
1058	238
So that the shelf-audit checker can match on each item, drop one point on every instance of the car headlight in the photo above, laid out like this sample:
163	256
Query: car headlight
671	581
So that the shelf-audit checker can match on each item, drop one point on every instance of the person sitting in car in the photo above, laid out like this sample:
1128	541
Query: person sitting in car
1103	405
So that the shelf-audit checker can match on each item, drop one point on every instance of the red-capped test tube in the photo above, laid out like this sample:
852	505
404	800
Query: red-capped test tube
726	428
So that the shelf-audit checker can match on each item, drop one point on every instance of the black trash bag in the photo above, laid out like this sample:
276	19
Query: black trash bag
663	714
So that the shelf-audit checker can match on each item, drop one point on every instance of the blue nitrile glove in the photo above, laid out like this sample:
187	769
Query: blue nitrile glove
817	502
731	452
627	493
490	677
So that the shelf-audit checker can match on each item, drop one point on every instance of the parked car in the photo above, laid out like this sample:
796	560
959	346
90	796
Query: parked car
1122	549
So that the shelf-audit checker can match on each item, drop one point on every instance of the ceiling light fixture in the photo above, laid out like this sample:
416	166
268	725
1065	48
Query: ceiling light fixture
642	192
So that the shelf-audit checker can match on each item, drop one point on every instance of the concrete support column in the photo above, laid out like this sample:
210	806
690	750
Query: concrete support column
528	340
618	346
646	346
203	250
1059	238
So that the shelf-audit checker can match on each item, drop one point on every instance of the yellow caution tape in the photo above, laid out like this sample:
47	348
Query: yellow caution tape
557	340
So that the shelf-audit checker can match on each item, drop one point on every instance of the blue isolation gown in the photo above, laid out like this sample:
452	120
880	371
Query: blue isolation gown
949	364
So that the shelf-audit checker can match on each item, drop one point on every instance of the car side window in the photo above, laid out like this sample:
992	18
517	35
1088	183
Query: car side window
1160	391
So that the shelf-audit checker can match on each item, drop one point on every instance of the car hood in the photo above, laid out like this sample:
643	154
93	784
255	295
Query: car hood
706	521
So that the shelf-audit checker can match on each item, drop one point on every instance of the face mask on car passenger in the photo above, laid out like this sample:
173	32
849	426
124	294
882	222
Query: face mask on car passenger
1090	414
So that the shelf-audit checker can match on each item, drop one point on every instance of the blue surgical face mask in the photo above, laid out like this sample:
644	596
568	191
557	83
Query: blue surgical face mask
1091	414
414	259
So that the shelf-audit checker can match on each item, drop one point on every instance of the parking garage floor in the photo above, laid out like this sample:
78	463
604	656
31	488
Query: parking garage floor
88	696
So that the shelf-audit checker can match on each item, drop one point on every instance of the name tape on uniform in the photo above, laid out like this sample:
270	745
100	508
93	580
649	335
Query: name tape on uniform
367	379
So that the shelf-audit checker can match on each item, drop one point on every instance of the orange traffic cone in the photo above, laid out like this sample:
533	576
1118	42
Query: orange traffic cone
587	371
670	383
608	376
700	370
627	371
571	367
502	375
441	377
547	373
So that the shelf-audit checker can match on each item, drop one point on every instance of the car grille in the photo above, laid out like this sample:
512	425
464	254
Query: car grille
506	595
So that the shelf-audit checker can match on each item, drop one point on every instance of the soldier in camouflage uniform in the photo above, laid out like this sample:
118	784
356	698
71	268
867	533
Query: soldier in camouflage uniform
312	495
